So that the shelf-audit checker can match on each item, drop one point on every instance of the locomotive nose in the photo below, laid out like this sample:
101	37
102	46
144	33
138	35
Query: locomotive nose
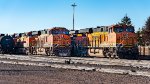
6	43
127	39
64	39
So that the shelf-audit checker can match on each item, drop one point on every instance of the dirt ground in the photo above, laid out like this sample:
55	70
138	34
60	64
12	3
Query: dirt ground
21	74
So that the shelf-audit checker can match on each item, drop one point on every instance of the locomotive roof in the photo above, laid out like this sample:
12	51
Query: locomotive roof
95	29
85	30
100	29
124	26
55	28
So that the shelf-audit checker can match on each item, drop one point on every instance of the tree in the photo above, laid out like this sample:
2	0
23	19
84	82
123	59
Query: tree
126	20
139	37
146	32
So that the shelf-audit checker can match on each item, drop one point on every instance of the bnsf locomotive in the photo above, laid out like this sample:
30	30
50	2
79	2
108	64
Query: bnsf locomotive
117	41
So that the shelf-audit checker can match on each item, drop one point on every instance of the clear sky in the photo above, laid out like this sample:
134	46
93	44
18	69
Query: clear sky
28	15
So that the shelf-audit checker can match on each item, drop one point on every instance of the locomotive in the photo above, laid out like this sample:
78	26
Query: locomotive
79	42
54	41
6	44
116	41
23	43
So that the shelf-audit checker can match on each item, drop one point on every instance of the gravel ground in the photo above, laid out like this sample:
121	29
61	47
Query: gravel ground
21	74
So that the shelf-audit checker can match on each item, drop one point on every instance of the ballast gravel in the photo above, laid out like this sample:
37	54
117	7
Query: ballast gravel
25	74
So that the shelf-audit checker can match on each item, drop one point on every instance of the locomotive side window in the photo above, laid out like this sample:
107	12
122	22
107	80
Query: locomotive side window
67	32
64	32
60	32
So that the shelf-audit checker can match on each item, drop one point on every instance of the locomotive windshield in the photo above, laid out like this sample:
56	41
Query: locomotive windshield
130	29
60	32
118	29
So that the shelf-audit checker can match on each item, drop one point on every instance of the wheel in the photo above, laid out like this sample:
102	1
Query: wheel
27	52
115	54
47	52
50	53
105	53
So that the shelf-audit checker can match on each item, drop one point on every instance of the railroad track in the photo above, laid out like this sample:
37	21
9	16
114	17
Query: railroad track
120	66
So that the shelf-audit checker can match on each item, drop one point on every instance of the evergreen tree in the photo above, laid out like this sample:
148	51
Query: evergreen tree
126	20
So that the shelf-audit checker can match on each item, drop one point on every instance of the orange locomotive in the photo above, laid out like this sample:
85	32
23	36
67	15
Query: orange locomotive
112	41
24	43
124	42
55	41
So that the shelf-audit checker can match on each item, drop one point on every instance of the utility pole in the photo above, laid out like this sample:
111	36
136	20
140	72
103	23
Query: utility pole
73	5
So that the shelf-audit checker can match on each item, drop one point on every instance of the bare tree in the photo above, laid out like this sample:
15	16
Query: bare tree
139	37
146	32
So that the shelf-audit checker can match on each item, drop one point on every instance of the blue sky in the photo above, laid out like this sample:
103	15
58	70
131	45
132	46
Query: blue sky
28	15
